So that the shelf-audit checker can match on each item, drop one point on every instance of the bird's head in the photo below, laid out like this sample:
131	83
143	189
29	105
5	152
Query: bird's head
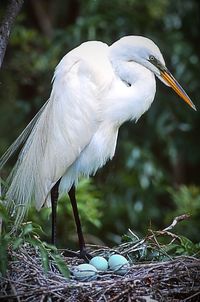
145	52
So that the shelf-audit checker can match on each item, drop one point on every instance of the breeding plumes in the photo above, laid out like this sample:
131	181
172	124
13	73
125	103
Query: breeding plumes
96	88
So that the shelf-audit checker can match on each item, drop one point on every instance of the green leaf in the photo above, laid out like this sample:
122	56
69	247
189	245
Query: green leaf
50	246
3	255
43	252
126	238
61	265
17	242
27	228
189	247
37	228
3	213
173	249
44	258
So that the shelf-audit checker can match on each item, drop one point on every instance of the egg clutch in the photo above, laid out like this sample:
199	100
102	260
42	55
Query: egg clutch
116	263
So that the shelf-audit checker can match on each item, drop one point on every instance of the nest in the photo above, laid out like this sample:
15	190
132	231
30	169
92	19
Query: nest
174	280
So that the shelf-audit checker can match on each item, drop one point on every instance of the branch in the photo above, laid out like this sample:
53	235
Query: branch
175	221
42	17
11	13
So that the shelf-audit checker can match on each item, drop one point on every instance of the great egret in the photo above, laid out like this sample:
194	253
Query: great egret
96	88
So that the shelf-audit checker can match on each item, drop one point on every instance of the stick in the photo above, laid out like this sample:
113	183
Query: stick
11	13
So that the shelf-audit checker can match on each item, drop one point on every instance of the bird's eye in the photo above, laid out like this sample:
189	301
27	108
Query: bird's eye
151	58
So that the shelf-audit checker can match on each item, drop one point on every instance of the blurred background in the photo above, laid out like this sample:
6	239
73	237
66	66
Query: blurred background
154	175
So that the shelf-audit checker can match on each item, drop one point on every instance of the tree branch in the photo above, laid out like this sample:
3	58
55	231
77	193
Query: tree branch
42	17
11	13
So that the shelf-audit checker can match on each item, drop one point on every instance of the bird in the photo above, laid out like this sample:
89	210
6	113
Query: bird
95	89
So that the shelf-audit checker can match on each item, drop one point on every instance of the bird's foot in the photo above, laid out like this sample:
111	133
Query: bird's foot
69	253
83	254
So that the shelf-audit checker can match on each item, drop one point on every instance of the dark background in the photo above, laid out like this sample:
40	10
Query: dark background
154	175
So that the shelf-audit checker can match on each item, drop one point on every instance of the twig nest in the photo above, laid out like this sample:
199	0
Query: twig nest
119	264
100	263
84	271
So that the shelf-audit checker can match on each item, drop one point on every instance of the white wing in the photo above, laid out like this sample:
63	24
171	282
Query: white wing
63	129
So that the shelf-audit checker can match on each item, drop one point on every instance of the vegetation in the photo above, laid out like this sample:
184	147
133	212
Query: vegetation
155	173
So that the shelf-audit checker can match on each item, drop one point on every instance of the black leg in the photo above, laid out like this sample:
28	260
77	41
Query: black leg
72	196
54	201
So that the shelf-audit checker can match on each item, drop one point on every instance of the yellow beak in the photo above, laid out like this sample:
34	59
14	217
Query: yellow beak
168	77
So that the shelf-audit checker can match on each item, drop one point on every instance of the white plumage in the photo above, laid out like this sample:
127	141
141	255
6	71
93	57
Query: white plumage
96	88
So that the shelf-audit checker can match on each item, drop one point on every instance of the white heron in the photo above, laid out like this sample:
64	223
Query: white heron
96	88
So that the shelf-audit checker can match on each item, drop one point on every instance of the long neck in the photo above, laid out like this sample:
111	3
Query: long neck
126	102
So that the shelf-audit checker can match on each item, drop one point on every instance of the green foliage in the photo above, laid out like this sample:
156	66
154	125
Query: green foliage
90	209
3	255
187	200
188	247
28	233
158	246
89	202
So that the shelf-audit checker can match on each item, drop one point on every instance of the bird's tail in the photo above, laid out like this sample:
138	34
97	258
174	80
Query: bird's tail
12	187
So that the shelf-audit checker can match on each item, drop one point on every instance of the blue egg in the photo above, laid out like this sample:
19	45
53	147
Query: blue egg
100	263
119	264
84	271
